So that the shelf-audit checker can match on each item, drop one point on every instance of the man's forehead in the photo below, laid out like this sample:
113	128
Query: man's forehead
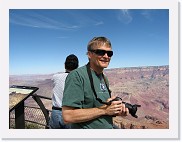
103	47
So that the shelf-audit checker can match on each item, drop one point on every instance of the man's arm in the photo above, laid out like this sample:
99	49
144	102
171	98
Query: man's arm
73	115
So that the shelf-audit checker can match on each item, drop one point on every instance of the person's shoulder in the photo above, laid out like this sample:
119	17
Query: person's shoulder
82	68
61	74
78	71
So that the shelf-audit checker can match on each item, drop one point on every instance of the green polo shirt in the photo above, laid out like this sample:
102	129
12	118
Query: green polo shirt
78	94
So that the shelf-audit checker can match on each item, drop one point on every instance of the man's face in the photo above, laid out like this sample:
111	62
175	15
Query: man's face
98	58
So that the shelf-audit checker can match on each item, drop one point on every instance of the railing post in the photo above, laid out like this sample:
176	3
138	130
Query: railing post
19	116
42	107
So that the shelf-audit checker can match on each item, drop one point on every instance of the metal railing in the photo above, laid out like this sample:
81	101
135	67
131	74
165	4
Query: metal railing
34	117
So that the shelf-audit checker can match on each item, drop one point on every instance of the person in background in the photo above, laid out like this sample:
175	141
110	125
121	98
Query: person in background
56	120
87	99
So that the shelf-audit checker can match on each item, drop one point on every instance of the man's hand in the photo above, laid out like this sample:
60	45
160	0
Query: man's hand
117	108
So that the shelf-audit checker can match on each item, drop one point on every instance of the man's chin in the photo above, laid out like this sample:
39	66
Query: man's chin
104	65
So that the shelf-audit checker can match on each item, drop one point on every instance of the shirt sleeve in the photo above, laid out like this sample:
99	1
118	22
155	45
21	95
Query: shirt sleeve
73	95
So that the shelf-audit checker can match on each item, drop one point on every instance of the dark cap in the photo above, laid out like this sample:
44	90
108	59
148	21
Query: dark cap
71	62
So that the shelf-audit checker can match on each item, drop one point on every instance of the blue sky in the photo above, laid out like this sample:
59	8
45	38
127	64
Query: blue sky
40	40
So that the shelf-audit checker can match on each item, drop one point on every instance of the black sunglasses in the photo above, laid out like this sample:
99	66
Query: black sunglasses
102	52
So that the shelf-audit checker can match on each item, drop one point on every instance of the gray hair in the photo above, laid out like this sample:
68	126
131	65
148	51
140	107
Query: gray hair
97	42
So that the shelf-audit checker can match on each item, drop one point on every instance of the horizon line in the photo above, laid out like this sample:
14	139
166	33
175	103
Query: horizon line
104	69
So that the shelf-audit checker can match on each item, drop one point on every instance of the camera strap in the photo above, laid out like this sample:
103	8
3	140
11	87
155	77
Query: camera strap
92	84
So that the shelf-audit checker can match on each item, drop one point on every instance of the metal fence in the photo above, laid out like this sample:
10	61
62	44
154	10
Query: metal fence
34	116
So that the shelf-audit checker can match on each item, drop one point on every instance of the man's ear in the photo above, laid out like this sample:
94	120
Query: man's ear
89	54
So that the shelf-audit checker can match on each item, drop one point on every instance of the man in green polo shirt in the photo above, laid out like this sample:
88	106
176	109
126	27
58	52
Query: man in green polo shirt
86	99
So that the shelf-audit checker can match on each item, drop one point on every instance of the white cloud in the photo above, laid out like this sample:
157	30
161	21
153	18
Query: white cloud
35	20
99	23
67	20
124	16
147	14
